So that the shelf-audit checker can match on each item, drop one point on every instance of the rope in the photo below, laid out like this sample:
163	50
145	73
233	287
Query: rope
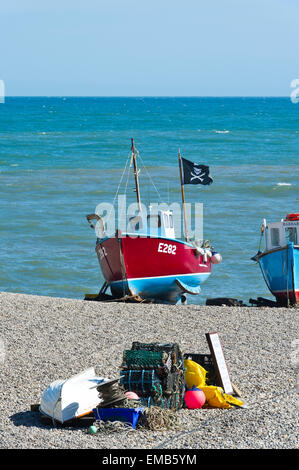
156	419
119	184
205	423
116	194
138	155
108	427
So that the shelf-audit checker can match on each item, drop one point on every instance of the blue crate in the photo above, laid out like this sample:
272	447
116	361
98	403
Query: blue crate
126	415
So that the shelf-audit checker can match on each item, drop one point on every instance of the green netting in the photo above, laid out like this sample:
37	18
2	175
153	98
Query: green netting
144	359
173	402
166	393
172	349
144	382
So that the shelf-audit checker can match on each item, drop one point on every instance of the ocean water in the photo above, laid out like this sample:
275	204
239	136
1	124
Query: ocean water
60	157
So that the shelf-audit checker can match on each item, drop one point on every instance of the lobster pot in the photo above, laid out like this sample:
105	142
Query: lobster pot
172	350
143	382
174	401
155	372
165	393
143	359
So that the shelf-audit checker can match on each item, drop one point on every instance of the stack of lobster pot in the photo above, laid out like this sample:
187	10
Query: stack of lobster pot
154	371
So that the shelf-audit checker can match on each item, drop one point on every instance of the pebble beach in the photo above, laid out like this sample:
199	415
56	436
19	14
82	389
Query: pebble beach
43	339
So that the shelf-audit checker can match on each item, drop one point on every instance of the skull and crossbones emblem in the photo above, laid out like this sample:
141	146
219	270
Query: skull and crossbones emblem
198	173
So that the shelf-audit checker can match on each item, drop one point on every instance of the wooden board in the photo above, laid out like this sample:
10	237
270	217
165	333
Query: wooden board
220	362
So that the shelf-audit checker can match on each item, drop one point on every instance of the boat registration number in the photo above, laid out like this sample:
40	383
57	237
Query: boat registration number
167	248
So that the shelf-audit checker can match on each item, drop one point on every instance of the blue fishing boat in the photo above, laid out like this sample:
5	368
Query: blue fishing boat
279	262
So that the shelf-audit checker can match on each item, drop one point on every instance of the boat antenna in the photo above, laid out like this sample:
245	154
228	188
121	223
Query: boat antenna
183	196
136	175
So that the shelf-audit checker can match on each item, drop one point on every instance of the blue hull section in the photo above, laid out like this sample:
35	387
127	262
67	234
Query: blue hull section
280	269
162	288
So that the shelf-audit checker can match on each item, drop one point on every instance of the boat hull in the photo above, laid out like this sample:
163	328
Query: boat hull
154	268
64	400
280	269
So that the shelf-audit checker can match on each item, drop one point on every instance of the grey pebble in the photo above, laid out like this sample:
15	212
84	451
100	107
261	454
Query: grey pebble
44	339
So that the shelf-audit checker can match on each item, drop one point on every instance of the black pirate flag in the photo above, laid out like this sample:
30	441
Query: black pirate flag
193	173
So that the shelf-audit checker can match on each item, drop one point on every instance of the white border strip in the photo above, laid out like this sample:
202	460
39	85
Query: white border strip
162	277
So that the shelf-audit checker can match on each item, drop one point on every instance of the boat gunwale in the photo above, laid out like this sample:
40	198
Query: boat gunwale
125	235
274	250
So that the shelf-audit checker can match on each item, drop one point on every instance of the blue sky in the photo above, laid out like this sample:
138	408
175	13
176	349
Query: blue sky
149	47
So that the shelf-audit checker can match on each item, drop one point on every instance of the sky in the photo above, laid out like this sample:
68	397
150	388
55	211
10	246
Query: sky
149	47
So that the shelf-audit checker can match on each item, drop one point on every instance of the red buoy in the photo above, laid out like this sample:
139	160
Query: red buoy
194	398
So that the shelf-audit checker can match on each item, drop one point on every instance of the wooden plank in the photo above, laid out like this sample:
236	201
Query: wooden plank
220	362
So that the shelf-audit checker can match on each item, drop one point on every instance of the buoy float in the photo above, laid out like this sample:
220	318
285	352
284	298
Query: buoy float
216	258
194	398
92	429
132	395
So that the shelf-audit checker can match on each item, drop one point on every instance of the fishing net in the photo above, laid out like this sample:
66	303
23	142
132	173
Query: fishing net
171	349
134	359
157	419
108	427
143	382
173	401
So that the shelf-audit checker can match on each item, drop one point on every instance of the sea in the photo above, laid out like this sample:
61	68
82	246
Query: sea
62	156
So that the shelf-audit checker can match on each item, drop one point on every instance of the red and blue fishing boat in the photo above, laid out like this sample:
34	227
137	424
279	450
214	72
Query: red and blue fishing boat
279	262
148	262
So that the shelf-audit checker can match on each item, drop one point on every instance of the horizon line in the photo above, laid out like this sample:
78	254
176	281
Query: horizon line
147	96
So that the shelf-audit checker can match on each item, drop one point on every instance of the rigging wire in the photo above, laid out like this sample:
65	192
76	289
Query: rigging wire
119	184
127	168
150	178
118	188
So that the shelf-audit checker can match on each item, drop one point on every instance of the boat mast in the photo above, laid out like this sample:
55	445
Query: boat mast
183	196
136	175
